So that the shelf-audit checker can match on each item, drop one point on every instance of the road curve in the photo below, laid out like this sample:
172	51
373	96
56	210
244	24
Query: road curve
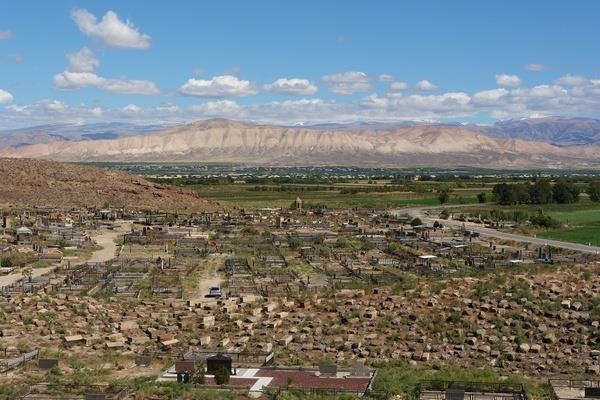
419	213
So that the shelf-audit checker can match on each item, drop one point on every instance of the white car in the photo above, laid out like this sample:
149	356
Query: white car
214	291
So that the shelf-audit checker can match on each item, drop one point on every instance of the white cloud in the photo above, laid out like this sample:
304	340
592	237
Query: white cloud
571	80
219	108
572	97
6	35
504	80
5	97
347	82
82	61
425	85
398	86
54	105
294	86
374	101
218	86
535	67
96	111
385	78
111	30
489	97
67	80
169	107
79	74
127	86
132	108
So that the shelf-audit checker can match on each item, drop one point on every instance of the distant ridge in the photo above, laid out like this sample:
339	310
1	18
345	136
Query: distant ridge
221	140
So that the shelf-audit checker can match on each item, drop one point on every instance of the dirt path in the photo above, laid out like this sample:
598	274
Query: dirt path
208	276
9	279
106	239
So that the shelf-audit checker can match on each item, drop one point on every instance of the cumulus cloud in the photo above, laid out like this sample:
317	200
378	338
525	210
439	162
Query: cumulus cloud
82	61
219	108
347	83
127	86
398	86
425	85
571	96
218	86
5	97
294	86
6	35
132	108
385	78
54	105
489	97
504	80
110	30
571	80
80	74
535	67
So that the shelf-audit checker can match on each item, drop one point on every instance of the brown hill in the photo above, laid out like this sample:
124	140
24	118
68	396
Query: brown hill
27	182
227	141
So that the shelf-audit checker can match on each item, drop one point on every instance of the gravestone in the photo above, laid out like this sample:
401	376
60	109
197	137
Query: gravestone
47	363
454	394
328	370
359	370
95	396
592	392
143	360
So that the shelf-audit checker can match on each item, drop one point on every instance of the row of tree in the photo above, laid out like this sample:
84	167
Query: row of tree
542	191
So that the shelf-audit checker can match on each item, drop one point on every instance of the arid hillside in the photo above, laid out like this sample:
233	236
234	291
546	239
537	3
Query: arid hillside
229	141
49	183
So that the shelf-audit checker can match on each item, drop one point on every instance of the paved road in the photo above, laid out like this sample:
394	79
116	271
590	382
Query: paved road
420	213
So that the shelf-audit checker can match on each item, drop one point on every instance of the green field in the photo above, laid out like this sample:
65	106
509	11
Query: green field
243	196
582	220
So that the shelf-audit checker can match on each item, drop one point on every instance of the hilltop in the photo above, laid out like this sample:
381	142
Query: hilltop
27	182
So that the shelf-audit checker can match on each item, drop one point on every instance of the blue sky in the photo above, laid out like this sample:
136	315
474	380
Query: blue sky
297	62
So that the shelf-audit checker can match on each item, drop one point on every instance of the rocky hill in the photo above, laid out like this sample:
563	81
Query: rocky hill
227	141
26	182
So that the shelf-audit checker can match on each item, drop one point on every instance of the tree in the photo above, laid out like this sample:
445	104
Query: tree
445	214
416	222
540	192
482	197
444	194
199	376
565	191
222	376
506	194
6	262
502	193
593	191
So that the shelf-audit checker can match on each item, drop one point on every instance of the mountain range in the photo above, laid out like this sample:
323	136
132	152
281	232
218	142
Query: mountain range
534	143
74	132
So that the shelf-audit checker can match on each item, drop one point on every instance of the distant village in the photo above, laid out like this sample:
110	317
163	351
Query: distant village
275	300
